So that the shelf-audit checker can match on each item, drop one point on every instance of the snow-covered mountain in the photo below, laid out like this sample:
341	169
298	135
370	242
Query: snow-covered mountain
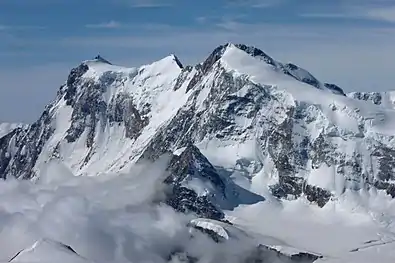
266	124
239	128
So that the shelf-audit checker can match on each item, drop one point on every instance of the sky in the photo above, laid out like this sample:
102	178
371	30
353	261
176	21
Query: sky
347	42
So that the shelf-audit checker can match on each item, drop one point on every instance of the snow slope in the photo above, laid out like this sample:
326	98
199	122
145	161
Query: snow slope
347	230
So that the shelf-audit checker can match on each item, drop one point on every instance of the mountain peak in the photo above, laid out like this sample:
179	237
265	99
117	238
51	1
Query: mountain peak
250	50
178	62
253	61
99	58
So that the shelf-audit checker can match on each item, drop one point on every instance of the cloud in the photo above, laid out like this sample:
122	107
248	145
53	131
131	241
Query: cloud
119	25
324	15
376	14
145	3
255	3
230	25
383	14
178	36
383	11
201	19
109	218
109	25
20	27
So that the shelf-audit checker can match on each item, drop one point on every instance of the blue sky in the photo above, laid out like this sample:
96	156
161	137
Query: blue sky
347	42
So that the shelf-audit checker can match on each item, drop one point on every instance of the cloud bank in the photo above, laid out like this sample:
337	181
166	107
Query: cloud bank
111	218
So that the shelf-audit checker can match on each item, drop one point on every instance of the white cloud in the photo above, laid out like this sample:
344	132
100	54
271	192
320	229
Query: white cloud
384	14
324	15
202	19
145	3
256	3
111	24
379	11
119	25
110	218
20	27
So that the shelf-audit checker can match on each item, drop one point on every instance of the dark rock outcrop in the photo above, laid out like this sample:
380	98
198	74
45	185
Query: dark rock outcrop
191	167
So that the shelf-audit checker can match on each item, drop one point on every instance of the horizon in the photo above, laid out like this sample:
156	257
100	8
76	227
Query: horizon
348	43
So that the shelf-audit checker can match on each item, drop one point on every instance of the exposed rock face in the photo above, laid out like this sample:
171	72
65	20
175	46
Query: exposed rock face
239	114
7	150
374	97
385	99
334	88
21	148
197	186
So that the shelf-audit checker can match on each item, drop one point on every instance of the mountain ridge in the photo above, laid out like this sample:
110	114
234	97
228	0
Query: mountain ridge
271	127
